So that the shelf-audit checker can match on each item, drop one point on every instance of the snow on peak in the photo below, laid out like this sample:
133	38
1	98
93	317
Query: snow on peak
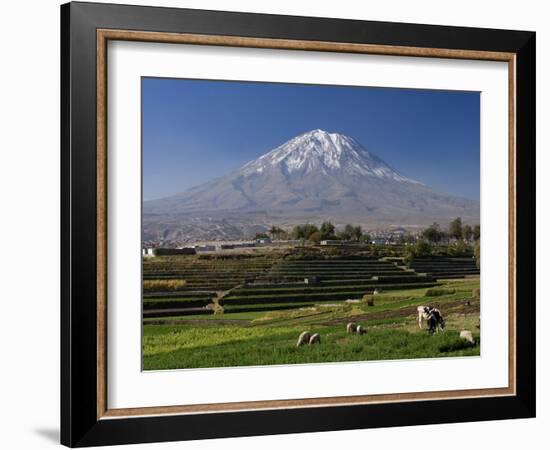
319	150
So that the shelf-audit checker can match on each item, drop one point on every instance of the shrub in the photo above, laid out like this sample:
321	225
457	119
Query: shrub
436	292
305	257
368	299
303	231
315	237
459	248
163	285
420	249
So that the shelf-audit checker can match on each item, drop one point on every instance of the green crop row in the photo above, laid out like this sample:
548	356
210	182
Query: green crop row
341	295
163	285
176	312
175	303
180	294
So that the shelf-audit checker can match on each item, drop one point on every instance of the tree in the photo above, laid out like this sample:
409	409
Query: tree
343	235
365	237
353	233
406	239
276	232
327	231
419	249
459	248
315	237
350	233
309	229
298	232
303	231
433	233
261	236
356	233
477	233
455	228
467	232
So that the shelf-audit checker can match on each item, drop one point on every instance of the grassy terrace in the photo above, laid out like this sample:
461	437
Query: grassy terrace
446	267
268	336
175	302
335	269
257	281
180	294
262	304
341	294
361	286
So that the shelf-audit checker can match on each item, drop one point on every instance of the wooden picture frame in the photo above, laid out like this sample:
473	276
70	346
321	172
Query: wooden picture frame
86	418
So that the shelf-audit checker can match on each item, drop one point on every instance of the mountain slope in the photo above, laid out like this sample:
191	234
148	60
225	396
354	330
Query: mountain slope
314	176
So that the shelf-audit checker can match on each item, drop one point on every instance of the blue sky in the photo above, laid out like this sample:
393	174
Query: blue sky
196	130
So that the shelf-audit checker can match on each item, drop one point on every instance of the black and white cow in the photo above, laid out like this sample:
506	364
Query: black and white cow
433	318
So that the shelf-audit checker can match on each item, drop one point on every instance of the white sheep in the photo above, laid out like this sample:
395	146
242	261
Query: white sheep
303	339
467	336
315	339
351	327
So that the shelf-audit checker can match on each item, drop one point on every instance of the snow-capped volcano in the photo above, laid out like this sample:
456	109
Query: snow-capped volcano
318	150
313	177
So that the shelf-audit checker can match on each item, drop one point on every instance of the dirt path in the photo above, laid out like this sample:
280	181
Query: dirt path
457	306
216	304
447	308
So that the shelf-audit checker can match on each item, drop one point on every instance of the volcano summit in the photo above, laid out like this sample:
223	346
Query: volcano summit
313	177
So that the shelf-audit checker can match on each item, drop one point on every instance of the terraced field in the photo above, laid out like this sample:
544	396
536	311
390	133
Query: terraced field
442	267
206	279
328	281
248	308
268	336
250	282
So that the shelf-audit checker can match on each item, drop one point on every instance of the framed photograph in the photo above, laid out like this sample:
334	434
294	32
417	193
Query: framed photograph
287	224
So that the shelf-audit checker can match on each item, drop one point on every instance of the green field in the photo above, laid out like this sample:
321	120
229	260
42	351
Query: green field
262	305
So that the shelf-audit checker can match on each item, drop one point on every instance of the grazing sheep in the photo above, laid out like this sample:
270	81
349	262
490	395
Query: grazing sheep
467	336
351	328
303	339
315	339
360	330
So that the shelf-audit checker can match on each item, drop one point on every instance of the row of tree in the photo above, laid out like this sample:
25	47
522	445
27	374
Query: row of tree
421	249
457	231
327	231
462	240
308	231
